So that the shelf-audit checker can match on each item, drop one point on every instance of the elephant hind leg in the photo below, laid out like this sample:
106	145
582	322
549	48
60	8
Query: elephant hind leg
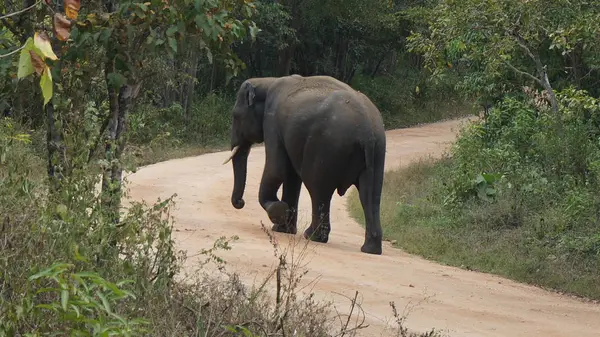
373	232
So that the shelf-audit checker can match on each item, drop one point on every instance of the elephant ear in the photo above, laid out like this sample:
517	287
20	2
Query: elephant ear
250	94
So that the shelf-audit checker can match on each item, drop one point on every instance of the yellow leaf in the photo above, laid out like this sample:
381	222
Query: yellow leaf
41	42
46	85
62	27
72	8
25	65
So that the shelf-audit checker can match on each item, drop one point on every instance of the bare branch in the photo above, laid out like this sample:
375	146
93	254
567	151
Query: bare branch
20	12
12	52
523	44
521	72
541	69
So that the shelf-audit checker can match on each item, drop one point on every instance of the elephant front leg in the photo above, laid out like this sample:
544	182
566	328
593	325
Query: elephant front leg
291	194
267	196
320	226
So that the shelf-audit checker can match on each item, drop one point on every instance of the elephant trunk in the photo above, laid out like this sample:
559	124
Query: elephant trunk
240	166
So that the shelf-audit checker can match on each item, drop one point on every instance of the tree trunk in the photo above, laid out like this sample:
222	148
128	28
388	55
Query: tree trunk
340	59
286	55
119	103
378	64
190	83
56	154
285	60
577	64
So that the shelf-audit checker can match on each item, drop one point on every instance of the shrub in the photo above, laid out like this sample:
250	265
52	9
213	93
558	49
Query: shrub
517	196
65	268
206	123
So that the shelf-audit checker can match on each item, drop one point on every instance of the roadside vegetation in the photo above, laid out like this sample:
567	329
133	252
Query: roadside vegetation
517	194
89	90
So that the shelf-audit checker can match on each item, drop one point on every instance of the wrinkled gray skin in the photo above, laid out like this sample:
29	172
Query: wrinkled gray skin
316	130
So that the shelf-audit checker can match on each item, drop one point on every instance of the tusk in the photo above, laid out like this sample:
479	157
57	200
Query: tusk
233	152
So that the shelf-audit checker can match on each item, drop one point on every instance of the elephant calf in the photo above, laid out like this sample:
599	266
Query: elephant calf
317	131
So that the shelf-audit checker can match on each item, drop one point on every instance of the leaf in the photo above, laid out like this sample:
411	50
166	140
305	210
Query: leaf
52	271
46	85
116	80
171	31
64	298
209	55
76	309
254	30
61	210
78	256
173	44
37	62
41	42
104	301
25	66
62	27
46	306
87	274
72	8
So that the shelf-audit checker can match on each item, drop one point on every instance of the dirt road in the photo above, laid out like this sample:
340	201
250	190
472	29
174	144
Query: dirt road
463	303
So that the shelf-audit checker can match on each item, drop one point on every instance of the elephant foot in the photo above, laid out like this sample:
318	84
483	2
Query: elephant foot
278	214
284	229
319	235
372	246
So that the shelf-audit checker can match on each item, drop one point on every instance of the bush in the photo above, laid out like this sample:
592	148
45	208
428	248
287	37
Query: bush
518	196
207	122
66	268
169	133
547	169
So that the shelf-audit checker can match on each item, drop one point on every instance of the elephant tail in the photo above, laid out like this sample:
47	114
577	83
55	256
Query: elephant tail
375	162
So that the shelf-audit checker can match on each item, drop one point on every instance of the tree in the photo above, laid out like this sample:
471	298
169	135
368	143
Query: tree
100	52
492	42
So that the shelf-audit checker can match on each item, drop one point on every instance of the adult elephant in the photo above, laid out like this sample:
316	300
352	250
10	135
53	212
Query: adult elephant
316	130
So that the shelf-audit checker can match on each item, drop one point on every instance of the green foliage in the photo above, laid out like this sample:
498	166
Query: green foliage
405	97
490	43
92	62
66	269
82	302
515	197
207	122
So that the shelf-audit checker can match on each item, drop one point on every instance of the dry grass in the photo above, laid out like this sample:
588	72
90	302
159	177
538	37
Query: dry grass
489	237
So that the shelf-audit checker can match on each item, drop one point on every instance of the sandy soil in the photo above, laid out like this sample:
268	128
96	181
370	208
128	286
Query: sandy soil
463	303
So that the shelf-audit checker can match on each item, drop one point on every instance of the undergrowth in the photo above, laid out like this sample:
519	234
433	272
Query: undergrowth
66	269
406	97
516	196
159	134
